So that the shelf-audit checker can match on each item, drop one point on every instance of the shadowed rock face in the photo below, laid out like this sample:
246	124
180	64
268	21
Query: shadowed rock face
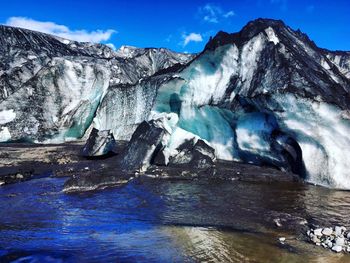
143	146
194	154
99	143
150	145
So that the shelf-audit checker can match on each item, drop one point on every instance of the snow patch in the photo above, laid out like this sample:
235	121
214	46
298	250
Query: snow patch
272	35
325	64
7	116
126	51
4	134
249	56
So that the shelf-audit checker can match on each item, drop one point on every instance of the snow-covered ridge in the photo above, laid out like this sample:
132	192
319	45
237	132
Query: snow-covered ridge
341	60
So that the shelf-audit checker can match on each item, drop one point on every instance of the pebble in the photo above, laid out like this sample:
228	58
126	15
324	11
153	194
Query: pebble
318	232
338	230
315	239
329	243
277	222
19	176
282	239
337	239
340	241
303	222
327	231
337	248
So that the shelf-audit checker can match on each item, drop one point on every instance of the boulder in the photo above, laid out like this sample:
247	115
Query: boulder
151	144
327	231
337	248
339	230
162	158
99	143
340	241
318	232
146	142
197	154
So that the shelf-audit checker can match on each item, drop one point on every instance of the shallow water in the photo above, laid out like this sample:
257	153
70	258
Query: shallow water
165	221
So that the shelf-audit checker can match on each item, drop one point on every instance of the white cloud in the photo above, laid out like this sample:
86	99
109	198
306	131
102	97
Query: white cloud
212	13
229	14
192	37
60	30
111	46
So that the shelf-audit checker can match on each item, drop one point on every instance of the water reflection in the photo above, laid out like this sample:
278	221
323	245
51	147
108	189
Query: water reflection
162	221
328	206
209	245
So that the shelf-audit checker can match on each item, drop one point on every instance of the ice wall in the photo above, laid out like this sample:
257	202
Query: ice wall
123	108
191	94
322	131
58	105
272	127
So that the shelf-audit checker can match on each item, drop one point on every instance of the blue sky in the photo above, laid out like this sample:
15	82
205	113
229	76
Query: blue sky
178	25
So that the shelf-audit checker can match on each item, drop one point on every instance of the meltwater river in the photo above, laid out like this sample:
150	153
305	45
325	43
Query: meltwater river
152	220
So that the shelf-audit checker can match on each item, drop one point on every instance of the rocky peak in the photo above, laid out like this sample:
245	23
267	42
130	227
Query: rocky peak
253	28
259	25
14	39
27	40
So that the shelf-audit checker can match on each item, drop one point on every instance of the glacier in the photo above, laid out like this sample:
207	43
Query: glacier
322	131
266	95
61	102
247	104
51	89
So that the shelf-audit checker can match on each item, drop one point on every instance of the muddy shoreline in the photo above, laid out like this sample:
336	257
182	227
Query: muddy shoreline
24	161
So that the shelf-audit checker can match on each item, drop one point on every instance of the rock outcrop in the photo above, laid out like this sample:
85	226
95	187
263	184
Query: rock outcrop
99	143
148	139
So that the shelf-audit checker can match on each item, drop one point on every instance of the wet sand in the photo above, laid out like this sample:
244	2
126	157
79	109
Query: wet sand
24	161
